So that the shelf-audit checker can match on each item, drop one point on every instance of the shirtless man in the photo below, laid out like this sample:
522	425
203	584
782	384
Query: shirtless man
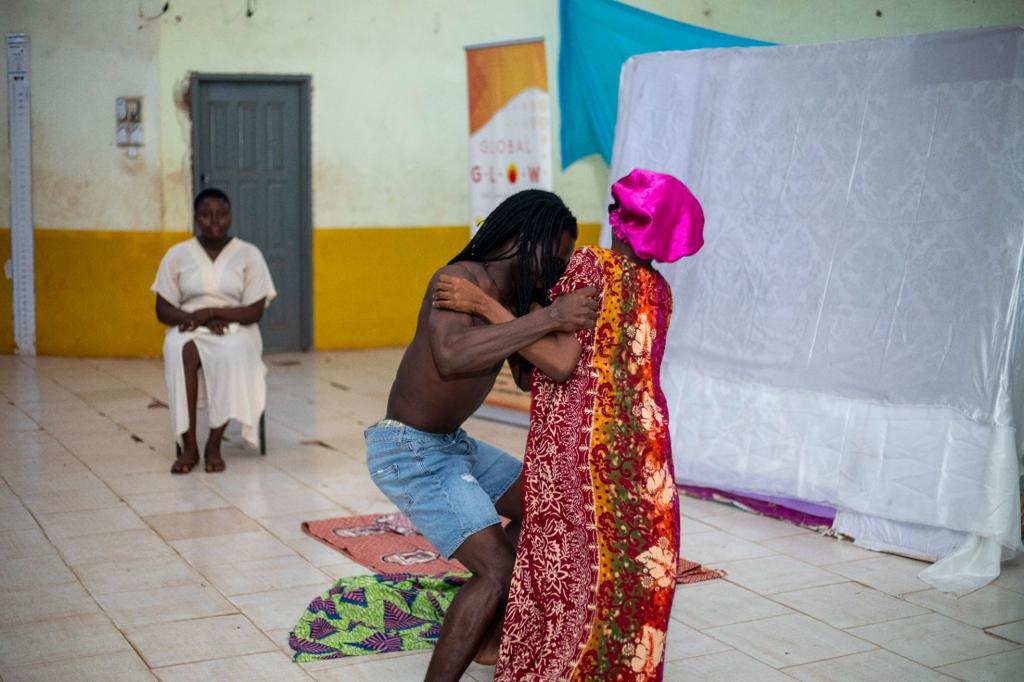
454	487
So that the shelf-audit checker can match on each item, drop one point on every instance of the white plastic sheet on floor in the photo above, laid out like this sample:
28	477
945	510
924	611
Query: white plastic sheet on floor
850	332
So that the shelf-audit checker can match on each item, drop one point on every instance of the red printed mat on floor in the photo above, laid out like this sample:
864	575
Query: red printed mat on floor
384	543
389	543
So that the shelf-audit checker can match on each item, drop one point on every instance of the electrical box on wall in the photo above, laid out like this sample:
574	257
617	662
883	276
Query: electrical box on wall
128	112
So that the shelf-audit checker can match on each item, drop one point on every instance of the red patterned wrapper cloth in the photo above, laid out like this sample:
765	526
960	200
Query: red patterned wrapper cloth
596	569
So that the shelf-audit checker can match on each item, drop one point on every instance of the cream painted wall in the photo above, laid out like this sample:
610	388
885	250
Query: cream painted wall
83	55
819	21
390	122
389	99
389	92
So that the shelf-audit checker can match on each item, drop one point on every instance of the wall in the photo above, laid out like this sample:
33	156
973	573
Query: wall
822	21
96	211
389	136
389	132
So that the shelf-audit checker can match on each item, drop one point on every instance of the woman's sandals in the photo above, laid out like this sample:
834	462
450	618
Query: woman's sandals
214	466
183	466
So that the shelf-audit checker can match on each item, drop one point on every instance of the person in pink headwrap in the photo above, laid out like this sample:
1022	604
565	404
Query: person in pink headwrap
595	573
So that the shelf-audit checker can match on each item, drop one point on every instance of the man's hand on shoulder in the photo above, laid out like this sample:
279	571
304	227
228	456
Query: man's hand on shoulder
575	310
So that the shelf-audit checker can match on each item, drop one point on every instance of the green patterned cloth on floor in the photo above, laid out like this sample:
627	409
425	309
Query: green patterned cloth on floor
375	614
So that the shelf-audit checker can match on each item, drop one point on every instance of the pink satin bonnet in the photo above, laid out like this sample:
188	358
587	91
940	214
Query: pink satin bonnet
657	216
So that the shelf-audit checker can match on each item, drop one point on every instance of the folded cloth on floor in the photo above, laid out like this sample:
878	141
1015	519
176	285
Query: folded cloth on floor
688	572
375	614
384	543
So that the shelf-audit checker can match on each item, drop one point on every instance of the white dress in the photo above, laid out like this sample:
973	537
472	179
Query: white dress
233	370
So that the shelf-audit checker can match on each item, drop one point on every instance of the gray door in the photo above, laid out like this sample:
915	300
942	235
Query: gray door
250	138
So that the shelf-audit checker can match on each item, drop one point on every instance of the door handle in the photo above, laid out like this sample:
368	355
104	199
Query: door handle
202	178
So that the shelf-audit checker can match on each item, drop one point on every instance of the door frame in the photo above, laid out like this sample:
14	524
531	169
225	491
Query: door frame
305	175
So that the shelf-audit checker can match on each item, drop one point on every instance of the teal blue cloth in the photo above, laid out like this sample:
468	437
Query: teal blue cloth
598	36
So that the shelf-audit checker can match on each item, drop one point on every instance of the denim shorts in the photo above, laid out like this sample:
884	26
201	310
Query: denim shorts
447	484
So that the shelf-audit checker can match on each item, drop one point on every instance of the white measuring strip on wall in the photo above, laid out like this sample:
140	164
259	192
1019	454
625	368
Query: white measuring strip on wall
22	250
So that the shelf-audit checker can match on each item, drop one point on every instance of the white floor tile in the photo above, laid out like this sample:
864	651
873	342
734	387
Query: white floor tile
124	666
152	482
688	526
848	605
68	478
66	638
45	603
202	524
685	642
890	574
258	481
16	518
289	526
984	608
411	667
717	602
227	549
713	548
704	509
21	544
24	574
268	667
276	609
344	568
176	501
773	574
757	528
1012	575
730	666
91	522
1004	667
94	497
261	505
265	575
871	666
109	547
137	574
819	550
1011	631
280	639
788	640
316	552
202	639
932	640
164	605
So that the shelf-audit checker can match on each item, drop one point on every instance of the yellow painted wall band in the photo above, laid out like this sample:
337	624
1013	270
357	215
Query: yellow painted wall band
93	298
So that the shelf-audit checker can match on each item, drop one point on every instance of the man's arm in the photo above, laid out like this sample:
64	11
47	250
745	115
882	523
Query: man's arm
459	347
522	371
556	354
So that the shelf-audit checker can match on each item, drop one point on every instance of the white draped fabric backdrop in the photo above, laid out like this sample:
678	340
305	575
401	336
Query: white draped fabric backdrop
850	333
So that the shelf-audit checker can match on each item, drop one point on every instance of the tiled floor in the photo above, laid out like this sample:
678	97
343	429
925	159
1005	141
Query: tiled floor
112	569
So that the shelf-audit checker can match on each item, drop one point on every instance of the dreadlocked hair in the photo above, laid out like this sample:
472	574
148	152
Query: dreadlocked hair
527	226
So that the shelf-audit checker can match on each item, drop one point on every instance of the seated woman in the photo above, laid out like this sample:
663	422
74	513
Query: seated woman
595	571
211	291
